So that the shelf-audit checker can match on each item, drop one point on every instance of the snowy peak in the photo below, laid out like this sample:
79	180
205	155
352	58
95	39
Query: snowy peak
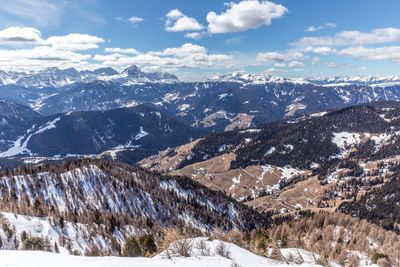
50	77
134	74
373	81
55	77
243	77
133	71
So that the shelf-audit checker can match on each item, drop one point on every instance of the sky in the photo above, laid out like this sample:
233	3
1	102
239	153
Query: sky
199	39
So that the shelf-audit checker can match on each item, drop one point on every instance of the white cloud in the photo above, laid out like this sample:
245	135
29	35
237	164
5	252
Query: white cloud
353	38
70	51
286	59
32	51
244	15
135	20
186	56
152	69
40	57
270	56
329	25
74	42
275	71
323	50
70	42
195	35
17	35
315	60
182	51
121	50
176	21
391	53
109	57
332	64
296	65
278	56
280	65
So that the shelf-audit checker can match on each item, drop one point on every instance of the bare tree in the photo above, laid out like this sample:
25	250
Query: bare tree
202	247
180	248
223	250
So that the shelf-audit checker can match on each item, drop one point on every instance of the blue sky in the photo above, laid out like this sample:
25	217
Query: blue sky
197	39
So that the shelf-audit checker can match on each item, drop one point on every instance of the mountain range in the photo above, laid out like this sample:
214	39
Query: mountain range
221	103
53	104
96	157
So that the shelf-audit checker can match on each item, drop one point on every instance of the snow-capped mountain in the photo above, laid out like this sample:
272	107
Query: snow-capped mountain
375	81
55	77
9	77
50	77
243	77
134	75
226	102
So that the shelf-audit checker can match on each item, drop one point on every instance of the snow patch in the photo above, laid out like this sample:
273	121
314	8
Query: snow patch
142	133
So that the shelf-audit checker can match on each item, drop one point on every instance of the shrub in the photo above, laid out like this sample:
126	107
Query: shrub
131	248
35	243
93	251
170	235
147	245
377	256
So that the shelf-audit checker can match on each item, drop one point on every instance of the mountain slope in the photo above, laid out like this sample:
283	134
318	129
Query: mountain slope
14	120
316	161
112	199
379	205
140	129
21	95
100	96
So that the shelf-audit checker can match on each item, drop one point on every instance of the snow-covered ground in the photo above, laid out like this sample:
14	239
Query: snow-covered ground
238	257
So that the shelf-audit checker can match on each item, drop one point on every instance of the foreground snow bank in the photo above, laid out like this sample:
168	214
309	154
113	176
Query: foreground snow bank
45	259
237	257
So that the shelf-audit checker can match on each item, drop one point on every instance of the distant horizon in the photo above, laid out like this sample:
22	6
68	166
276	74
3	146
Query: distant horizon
211	76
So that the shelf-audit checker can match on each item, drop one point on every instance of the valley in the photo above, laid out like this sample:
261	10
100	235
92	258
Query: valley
85	177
